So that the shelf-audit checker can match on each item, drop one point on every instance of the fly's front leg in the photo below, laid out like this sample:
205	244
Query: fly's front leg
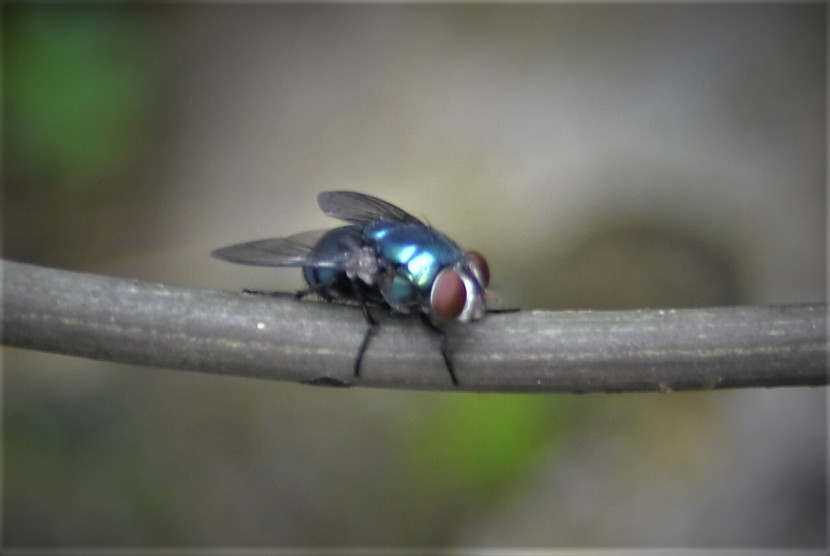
447	360
502	311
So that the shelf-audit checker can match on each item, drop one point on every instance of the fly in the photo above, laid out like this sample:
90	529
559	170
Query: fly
385	257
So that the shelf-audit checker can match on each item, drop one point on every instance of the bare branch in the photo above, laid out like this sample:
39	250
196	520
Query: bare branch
156	325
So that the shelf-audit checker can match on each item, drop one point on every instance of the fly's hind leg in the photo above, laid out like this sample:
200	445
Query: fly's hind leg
275	293
298	295
442	346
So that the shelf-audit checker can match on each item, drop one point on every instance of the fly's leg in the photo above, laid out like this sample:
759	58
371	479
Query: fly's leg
442	346
502	311
447	360
363	345
296	295
271	293
370	331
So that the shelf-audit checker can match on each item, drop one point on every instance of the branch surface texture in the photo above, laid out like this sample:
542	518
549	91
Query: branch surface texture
280	338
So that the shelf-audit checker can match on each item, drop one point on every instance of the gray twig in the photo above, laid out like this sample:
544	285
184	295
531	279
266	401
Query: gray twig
157	325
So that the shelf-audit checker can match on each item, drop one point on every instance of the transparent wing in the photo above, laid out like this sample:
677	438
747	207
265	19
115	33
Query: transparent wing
358	208
296	250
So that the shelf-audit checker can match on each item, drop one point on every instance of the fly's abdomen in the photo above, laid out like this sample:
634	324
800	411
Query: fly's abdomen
335	245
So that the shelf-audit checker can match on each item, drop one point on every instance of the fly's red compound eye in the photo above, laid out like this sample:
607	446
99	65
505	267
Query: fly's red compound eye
449	295
479	266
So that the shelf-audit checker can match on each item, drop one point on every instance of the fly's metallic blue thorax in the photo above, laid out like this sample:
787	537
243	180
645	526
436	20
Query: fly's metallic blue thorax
414	256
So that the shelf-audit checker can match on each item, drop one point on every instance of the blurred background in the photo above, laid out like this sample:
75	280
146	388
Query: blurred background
603	157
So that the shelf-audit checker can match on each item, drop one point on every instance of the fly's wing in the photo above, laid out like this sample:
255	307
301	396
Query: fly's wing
358	208
297	250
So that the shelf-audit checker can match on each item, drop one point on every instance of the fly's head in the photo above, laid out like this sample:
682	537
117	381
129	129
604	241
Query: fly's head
458	291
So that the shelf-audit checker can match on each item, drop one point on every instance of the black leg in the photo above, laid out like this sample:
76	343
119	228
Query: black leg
442	346
272	293
370	331
447	360
503	311
296	295
363	345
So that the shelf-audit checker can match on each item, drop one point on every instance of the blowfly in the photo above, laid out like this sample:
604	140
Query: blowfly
384	257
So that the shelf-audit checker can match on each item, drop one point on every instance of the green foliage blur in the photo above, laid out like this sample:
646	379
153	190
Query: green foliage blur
81	104
476	445
77	92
